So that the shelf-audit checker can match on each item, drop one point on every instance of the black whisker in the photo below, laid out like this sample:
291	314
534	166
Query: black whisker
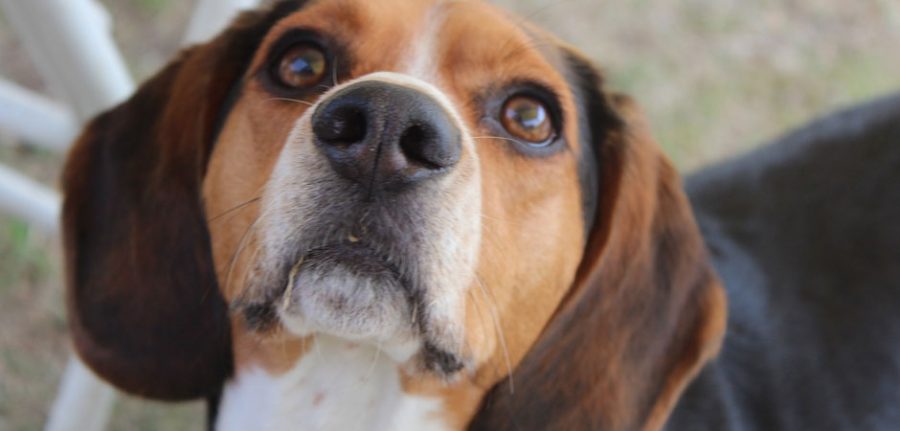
234	208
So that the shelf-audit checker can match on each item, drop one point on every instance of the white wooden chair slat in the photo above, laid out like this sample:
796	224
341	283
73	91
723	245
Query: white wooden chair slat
35	118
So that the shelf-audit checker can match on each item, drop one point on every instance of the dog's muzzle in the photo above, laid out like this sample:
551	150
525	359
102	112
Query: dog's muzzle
372	217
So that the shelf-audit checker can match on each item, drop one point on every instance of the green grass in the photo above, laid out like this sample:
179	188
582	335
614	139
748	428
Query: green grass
23	260
132	414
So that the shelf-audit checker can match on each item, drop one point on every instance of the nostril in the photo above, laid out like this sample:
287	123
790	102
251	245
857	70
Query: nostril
414	145
342	126
422	145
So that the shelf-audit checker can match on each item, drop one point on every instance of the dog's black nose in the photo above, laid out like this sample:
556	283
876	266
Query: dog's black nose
386	136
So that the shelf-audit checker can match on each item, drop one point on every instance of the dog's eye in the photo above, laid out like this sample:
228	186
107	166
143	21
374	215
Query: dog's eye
527	118
302	66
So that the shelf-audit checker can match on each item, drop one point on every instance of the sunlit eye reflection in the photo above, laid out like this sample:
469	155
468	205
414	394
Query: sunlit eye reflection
528	119
302	66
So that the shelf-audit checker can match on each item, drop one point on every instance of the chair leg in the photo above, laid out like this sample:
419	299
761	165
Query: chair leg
83	403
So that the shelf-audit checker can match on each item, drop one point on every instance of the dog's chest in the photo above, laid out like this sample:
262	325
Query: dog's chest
335	386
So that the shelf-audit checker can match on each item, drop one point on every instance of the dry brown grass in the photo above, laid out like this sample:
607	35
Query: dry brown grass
715	76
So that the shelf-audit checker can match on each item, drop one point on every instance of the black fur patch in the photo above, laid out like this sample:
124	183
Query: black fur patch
596	118
248	41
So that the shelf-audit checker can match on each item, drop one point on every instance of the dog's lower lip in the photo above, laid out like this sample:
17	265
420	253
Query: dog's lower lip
365	262
355	256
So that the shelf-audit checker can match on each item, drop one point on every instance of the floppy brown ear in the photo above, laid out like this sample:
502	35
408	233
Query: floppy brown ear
646	311
144	306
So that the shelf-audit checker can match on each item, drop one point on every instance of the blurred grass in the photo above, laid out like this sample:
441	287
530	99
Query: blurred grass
32	325
22	259
716	77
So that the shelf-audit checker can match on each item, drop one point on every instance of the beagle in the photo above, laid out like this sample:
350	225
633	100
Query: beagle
392	215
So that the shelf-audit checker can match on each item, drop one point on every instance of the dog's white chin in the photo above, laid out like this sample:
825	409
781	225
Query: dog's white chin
340	303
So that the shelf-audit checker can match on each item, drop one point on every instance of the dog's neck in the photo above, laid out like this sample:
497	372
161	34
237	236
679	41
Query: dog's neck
336	385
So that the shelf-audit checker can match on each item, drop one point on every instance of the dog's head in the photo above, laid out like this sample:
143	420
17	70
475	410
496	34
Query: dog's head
435	178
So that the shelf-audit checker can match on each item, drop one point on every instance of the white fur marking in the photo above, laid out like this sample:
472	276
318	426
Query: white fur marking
337	386
421	58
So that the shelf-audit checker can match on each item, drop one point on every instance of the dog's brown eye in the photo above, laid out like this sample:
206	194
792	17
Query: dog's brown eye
302	66
527	118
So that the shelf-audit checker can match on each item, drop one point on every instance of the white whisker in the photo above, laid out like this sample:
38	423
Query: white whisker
371	370
238	251
502	335
497	137
286	99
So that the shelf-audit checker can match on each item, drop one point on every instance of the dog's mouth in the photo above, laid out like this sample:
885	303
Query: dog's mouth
348	290
357	259
355	291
